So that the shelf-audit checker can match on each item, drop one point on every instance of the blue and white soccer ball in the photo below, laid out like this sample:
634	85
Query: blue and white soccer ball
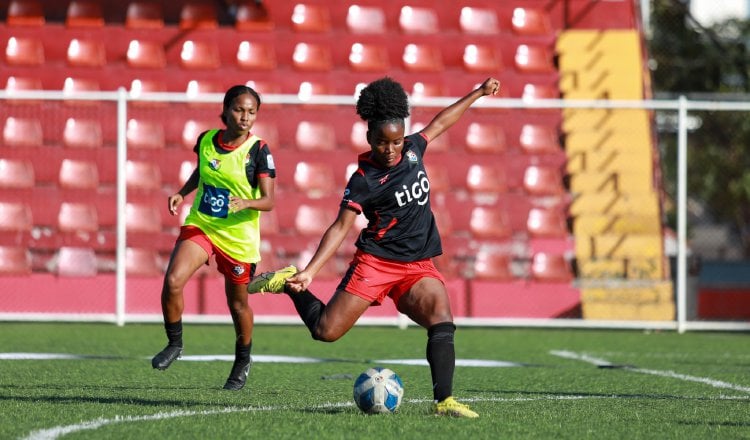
378	391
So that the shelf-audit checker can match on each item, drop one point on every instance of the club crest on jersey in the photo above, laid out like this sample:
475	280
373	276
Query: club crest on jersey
238	270
411	156
214	164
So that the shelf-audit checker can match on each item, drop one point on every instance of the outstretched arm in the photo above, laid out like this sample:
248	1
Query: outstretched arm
449	115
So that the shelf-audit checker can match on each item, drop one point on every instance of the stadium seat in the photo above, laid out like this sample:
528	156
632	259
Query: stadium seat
22	84
533	92
140	86
486	179
22	132
269	132
315	179
15	217
15	260
86	53
478	21
84	13
16	174
486	138
142	218
439	178
142	133
531	21
72	87
144	54
422	58
143	262
144	15
365	20
199	55
482	58
491	265
25	13
256	56
311	18
539	139
421	90
198	15
193	128
533	59
197	87
441	143
541	180
315	136
548	267
546	223
358	137
75	262
313	220
82	133
78	174
77	217
24	51
142	175
253	16
418	20
489	222
312	57
365	57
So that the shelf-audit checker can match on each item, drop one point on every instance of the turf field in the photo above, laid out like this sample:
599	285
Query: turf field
75	381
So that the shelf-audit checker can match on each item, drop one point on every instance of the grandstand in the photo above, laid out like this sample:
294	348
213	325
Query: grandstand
545	213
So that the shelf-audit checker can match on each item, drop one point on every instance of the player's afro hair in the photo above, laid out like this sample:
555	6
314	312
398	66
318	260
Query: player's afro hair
383	100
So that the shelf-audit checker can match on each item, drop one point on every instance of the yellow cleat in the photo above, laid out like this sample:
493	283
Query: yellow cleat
450	407
272	282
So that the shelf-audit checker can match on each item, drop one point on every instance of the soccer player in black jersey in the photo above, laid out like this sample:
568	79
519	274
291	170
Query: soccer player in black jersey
395	250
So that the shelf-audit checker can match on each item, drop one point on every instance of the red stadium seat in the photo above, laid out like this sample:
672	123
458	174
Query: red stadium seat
82	133
365	20
358	137
422	58
143	262
482	58
142	218
486	179
144	15
311	18
16	174
78	174
25	13
485	138
24	51
143	54
15	260
193	128
198	15
140	86
489	222
72	87
253	16
478	21
15	217
546	223
315	136
199	55
543	181
86	53
531	21
196	88
268	131
83	13
77	217
439	178
539	139
22	132
142	175
418	20
533	59
142	133
532	92
546	267
441	143
368	58
313	220
315	179
491	265
22	84
422	90
312	57
75	262
253	55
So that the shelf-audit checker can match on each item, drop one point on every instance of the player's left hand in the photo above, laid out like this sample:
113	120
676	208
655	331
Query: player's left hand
237	204
490	86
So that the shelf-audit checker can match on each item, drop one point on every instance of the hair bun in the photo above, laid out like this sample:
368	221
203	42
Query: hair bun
382	100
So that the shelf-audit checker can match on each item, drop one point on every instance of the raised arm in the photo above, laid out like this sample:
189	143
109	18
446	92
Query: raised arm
449	115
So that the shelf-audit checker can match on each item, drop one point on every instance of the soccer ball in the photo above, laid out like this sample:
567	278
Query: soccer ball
378	391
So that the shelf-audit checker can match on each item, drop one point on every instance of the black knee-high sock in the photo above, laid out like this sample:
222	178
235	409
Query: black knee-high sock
309	308
241	351
174	333
441	355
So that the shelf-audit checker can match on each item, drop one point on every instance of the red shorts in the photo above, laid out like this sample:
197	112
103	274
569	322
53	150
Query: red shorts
237	272
373	278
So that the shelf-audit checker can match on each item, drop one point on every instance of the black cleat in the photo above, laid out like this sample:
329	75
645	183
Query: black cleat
238	376
164	358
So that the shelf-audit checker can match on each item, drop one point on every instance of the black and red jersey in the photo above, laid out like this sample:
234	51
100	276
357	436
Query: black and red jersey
396	203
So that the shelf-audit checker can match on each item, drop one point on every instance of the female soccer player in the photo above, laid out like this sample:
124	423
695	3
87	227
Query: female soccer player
394	251
234	177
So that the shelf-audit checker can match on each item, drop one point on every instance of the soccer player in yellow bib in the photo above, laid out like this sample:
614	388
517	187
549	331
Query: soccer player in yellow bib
234	179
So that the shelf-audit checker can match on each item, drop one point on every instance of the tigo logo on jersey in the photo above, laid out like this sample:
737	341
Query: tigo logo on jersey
419	191
215	164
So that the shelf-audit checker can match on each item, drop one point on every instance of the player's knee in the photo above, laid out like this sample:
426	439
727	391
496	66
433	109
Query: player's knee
325	335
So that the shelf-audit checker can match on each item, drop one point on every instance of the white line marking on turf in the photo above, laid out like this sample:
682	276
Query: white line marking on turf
664	373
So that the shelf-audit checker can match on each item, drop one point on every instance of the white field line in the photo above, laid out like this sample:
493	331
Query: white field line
663	373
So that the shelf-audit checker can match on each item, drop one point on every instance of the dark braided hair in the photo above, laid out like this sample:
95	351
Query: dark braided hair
383	100
234	92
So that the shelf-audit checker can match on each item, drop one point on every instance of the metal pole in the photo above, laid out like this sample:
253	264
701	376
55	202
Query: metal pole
681	214
122	157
